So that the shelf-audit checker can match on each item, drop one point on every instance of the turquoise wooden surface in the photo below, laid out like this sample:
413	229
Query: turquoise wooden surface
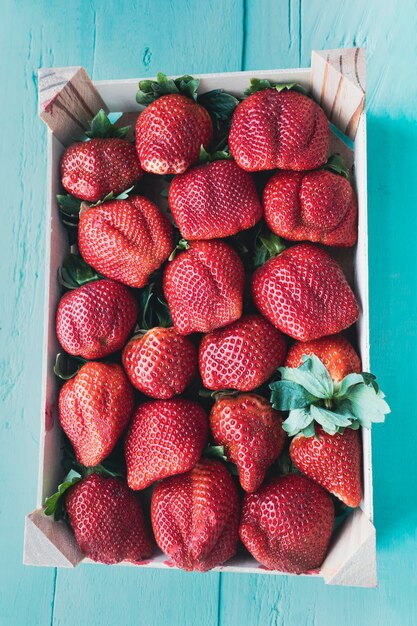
138	38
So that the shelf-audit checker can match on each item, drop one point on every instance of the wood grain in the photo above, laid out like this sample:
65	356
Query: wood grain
142	37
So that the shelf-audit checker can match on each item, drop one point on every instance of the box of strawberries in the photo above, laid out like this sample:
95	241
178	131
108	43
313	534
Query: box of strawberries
207	395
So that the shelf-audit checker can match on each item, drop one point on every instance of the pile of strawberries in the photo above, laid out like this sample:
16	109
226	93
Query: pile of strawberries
211	369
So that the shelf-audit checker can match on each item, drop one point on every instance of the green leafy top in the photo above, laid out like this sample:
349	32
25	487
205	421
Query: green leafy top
155	311
75	272
67	366
259	84
267	246
218	155
336	165
102	128
55	504
310	395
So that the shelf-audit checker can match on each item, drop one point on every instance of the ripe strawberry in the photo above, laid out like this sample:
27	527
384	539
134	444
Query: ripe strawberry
165	437
94	409
317	206
279	129
95	319
324	418
195	516
107	519
125	240
333	461
161	363
286	525
251	433
304	293
204	287
170	132
242	355
214	200
107	163
337	354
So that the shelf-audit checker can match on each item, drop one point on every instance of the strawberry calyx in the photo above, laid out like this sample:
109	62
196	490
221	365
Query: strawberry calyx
102	128
75	272
181	245
259	84
267	246
66	366
155	311
215	452
55	504
312	397
336	165
217	155
72	208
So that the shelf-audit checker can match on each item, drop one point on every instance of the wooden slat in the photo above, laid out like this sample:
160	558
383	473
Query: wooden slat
338	84
68	101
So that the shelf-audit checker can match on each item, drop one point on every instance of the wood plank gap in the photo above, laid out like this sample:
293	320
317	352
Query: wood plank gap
300	11
53	597
244	34
219	600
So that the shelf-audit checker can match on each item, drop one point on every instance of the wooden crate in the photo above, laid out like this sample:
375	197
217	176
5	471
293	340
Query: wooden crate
68	99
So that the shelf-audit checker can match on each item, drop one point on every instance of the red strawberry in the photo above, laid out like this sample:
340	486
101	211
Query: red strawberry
95	319
195	516
242	355
90	170
94	409
125	240
316	206
304	293
204	287
170	132
251	433
161	363
272	129
337	354
214	200
166	437
108	521
333	461
286	525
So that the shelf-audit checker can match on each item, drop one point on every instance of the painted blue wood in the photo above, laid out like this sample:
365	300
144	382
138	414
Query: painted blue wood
114	40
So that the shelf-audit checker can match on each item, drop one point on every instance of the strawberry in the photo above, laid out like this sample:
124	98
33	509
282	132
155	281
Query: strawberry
170	132
108	521
195	516
214	200
250	432
324	419
332	460
242	355
317	206
161	363
95	319
204	287
94	409
337	354
287	524
304	293
90	170
279	129
125	240
165	437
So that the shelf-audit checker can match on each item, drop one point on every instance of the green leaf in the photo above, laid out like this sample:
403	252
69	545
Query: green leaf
267	246
75	272
336	165
181	245
310	430
218	155
312	375
215	451
68	205
67	366
219	104
370	380
329	420
151	90
101	127
259	84
288	395
343	387
54	505
367	405
297	421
